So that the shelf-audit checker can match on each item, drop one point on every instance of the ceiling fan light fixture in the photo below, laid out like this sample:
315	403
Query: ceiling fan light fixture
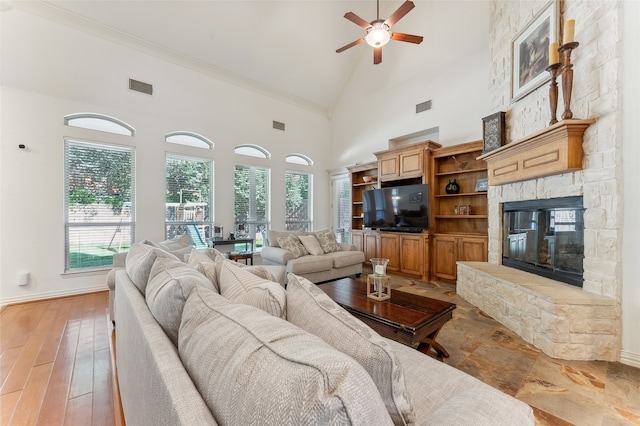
378	34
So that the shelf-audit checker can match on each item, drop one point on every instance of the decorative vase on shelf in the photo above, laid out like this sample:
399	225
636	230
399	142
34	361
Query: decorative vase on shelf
452	187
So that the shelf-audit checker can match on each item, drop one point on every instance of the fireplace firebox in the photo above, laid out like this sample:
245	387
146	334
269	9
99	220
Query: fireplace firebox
545	237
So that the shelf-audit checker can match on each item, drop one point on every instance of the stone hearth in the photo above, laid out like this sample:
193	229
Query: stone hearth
561	320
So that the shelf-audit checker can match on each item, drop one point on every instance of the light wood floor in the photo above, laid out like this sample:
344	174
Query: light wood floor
55	363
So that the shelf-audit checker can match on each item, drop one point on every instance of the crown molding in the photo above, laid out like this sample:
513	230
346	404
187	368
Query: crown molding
57	14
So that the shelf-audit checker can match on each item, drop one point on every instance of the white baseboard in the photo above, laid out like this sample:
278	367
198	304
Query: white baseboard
630	358
52	295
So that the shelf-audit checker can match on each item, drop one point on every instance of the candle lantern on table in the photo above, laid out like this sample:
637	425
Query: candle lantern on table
378	287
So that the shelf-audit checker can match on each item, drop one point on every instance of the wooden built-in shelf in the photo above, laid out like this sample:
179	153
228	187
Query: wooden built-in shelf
554	150
462	216
457	172
462	194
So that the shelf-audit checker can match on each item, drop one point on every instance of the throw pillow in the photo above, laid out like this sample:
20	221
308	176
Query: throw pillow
292	244
176	248
311	309
139	261
252	368
240	286
170	283
177	243
327	240
311	244
207	267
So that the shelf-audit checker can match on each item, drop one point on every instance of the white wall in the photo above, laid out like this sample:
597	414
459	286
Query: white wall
631	178
449	68
50	70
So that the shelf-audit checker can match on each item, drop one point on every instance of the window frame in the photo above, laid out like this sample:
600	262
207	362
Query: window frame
129	130
292	225
205	226
254	224
128	207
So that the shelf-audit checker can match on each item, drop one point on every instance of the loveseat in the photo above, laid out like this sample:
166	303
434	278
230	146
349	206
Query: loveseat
316	256
208	342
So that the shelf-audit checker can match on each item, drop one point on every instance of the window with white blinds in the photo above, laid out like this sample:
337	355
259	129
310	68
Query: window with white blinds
251	203
99	203
189	195
298	201
341	188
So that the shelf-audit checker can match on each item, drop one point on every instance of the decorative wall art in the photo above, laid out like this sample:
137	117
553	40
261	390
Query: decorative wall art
493	131
530	52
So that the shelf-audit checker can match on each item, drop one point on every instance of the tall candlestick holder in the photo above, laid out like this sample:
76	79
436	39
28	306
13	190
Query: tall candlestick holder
567	77
553	91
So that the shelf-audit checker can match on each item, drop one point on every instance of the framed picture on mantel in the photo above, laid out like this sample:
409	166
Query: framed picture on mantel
493	131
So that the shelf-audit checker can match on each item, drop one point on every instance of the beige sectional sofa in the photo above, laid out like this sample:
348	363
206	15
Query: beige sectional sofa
181	247
208	342
299	254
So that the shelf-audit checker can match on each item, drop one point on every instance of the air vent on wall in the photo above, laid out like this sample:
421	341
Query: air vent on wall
424	106
140	86
278	125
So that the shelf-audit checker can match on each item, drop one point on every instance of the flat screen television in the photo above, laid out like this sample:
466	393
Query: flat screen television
397	208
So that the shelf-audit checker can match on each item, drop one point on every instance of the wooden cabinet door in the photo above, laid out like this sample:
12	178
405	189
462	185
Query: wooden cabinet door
473	249
370	245
390	249
444	256
412	254
357	240
388	167
411	164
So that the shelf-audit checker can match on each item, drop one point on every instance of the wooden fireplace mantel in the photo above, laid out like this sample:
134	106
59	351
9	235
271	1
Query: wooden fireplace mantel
554	150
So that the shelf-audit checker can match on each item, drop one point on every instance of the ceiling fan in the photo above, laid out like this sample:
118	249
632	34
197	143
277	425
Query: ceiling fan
379	31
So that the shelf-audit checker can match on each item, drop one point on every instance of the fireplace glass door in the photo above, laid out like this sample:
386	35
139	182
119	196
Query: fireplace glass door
544	238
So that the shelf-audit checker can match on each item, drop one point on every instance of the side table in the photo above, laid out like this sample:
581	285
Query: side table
245	256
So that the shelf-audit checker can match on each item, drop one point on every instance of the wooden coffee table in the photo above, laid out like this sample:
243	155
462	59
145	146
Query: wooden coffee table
407	318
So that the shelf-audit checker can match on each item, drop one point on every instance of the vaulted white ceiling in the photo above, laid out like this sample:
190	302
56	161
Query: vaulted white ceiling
285	48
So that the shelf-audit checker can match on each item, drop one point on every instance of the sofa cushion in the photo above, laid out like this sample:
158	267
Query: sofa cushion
177	243
240	286
310	242
139	261
205	265
252	369
309	264
345	258
292	243
272	236
327	240
311	309
170	282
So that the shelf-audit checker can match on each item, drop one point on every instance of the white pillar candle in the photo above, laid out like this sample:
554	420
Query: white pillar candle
378	270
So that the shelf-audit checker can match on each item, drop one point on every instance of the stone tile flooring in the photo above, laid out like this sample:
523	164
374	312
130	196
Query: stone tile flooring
561	392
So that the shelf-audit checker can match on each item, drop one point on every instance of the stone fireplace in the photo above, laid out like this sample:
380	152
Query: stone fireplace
565	307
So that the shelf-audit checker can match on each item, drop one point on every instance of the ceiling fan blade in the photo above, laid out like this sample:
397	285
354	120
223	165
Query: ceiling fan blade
354	43
377	55
407	37
357	20
399	13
